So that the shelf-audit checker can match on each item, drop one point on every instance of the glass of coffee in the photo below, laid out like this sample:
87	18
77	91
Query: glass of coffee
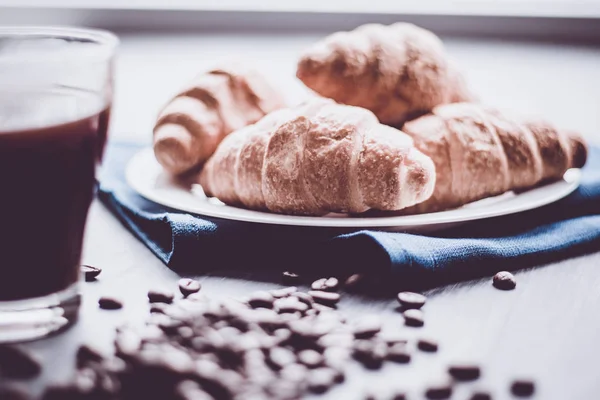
56	89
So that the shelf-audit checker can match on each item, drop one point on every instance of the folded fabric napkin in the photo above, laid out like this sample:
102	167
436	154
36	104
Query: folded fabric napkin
193	244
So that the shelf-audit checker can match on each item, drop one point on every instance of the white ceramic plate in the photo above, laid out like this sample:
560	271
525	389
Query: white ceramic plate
145	175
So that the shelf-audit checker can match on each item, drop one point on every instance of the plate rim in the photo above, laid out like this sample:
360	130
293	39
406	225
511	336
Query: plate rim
570	181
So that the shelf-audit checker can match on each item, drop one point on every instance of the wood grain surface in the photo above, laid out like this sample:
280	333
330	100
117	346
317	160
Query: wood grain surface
547	329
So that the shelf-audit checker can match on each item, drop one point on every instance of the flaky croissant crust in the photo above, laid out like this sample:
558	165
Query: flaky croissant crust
397	71
318	158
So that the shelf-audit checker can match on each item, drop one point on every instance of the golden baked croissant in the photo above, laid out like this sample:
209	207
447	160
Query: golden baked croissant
216	103
479	152
398	71
317	158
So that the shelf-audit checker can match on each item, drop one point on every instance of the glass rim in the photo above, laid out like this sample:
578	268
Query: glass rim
107	42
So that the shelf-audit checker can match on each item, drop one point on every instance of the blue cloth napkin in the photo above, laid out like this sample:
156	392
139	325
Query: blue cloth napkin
195	244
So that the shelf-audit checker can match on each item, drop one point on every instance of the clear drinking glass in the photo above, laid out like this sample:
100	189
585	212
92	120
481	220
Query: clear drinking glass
56	89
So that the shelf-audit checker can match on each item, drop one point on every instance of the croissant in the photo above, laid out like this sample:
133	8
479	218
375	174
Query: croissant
318	158
398	71
479	152
216	103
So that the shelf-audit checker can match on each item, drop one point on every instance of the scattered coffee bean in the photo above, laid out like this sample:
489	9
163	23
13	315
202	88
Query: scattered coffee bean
464	372
336	357
321	380
289	305
411	300
283	292
13	393
481	396
354	282
326	284
90	273
522	388
427	345
159	308
160	296
319	308
290	278
127	343
279	357
325	298
191	390
398	352
310	358
504	280
109	303
304	297
370	353
279	344
86	354
188	286
367	327
413	318
16	364
439	391
261	299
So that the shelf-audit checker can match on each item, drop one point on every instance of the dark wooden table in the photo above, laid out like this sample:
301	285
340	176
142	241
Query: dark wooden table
547	329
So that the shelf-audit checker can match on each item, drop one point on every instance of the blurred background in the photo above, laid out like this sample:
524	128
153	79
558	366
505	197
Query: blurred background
535	57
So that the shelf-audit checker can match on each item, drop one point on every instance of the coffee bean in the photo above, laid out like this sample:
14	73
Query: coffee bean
392	338
85	381
481	396
160	296
86	354
326	284
190	390
336	357
16	364
522	388
319	308
353	282
325	298
261	299
127	343
310	358
279	357
367	327
340	339
413	318
284	292
321	379
188	286
411	300
427	345
464	372
289	305
504	280
304	297
398	352
399	396
159	308
197	298
290	278
109	303
294	372
90	273
370	353
13	393
439	391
